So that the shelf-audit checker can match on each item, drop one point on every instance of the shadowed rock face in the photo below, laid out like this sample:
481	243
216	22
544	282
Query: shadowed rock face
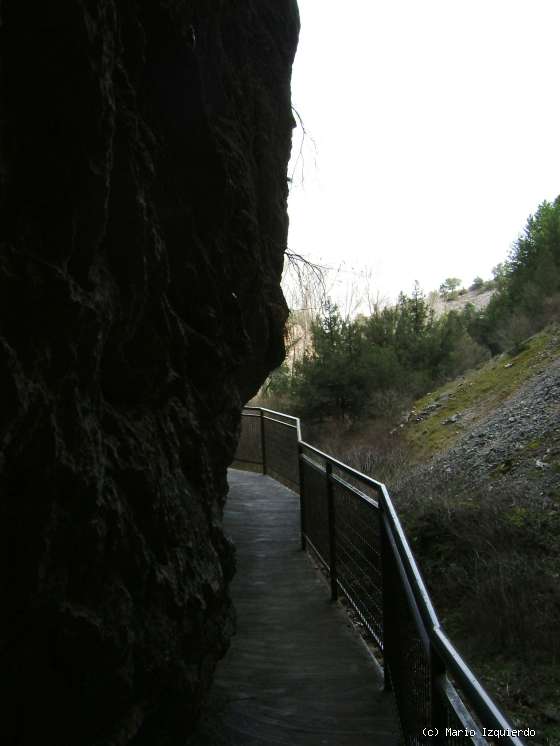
143	153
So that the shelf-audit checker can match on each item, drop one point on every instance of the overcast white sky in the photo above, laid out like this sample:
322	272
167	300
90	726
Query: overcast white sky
437	132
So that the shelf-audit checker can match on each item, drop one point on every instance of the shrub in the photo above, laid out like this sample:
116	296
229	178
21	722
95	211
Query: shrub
490	560
512	333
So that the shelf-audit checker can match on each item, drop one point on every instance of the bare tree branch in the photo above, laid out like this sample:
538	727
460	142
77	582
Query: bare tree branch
301	155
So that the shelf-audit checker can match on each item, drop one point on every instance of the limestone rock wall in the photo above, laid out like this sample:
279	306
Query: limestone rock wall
143	154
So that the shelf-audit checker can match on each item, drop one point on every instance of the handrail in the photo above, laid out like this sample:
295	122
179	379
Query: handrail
405	552
262	410
479	698
378	486
443	658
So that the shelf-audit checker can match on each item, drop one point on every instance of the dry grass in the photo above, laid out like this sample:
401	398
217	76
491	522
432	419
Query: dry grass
368	447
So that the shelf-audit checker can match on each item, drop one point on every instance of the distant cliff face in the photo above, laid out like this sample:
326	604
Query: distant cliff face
143	154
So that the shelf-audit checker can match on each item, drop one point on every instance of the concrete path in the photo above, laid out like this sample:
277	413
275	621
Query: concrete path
296	672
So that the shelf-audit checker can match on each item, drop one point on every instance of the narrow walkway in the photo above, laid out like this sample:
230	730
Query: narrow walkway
296	673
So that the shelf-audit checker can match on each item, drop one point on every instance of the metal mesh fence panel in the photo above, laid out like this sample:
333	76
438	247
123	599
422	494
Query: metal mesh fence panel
350	525
281	447
249	450
358	483
358	557
406	655
316	516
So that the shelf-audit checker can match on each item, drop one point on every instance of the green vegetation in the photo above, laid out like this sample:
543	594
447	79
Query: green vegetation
477	284
449	288
375	366
477	393
528	285
491	558
489	550
365	367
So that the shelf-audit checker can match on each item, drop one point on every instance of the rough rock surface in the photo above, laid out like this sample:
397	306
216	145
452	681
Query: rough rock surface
143	153
514	447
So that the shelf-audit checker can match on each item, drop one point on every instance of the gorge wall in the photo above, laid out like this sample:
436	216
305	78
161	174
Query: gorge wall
143	154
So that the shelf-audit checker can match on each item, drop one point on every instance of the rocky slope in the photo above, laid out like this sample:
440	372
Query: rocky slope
477	298
482	509
520	441
143	154
498	425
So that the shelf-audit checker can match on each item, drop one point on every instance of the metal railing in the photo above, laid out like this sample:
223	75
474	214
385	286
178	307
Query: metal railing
349	523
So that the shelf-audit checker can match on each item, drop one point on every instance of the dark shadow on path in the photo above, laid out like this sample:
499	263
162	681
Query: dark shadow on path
296	672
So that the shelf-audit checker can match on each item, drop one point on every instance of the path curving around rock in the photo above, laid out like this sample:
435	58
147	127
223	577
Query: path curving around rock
296	672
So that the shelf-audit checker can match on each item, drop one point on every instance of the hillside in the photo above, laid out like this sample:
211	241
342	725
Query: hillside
474	468
513	399
479	299
482	507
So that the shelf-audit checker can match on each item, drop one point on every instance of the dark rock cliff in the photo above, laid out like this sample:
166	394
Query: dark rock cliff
143	154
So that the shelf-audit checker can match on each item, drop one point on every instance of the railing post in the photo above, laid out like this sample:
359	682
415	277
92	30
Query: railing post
263	444
332	532
387	600
301	497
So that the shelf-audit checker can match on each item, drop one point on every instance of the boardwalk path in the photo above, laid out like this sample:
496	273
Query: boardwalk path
295	673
